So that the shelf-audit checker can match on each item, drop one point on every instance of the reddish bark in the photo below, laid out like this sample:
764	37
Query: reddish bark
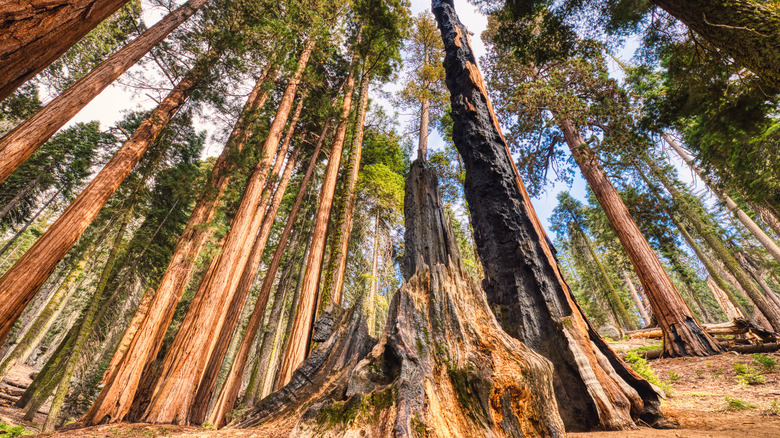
21	282
116	398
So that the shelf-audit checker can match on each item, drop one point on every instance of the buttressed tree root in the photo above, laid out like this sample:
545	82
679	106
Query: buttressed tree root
442	367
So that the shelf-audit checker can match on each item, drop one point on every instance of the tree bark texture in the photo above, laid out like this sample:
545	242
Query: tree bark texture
299	341
172	397
200	403
18	145
594	388
22	281
334	280
227	398
748	30
637	301
443	366
731	311
35	33
768	308
683	335
116	398
770	245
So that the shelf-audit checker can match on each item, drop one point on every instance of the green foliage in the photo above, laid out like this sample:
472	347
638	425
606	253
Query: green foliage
8	431
747	375
735	404
773	408
767	363
674	377
640	365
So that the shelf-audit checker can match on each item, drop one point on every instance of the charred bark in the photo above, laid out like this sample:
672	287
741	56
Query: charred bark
594	388
443	367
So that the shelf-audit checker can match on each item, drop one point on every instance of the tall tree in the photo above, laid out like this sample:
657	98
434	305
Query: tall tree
522	281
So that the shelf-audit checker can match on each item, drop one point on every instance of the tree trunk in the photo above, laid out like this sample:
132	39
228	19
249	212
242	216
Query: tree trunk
334	278
206	385
768	308
298	346
752	227
430	373
18	145
132	329
594	388
116	398
22	193
422	146
731	311
85	328
173	394
637	301
232	386
34	34
683	336
22	281
748	30
769	217
27	224
371	304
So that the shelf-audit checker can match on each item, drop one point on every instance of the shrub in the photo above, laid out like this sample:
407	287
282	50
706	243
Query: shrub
766	362
747	375
734	404
640	365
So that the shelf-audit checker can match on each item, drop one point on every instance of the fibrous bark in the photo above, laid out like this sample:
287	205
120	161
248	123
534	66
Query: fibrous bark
25	277
593	387
18	145
35	33
748	30
443	367
115	399
635	296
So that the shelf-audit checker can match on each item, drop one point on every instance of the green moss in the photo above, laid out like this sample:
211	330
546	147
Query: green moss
470	403
419	427
344	414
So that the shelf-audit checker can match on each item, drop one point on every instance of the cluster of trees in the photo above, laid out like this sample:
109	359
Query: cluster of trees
145	283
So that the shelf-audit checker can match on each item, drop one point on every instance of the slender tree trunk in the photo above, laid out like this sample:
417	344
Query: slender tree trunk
334	278
298	347
34	34
47	317
768	216
768	308
22	281
232	386
637	301
371	302
765	241
748	30
527	293
132	329
682	334
116	398
173	395
422	146
85	329
18	145
27	224
731	311
22	193
206	386
45	382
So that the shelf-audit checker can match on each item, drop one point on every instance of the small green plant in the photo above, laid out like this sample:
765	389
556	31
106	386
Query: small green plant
674	377
747	375
640	365
717	372
773	408
8	431
699	374
767	363
734	404
207	426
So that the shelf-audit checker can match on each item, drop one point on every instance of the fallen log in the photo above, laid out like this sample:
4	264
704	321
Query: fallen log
769	347
737	326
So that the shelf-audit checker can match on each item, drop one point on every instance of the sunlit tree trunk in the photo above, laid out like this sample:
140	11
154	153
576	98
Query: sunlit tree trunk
765	241
22	281
298	346
372	289
334	275
637	301
18	145
227	398
176	387
116	398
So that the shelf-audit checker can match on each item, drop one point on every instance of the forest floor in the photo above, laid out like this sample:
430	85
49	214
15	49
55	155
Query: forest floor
708	398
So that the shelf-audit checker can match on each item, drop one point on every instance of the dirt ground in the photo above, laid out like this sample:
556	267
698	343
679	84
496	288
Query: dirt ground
699	401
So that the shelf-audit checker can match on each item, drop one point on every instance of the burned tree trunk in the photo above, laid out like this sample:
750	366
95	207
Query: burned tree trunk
23	141
594	388
443	367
